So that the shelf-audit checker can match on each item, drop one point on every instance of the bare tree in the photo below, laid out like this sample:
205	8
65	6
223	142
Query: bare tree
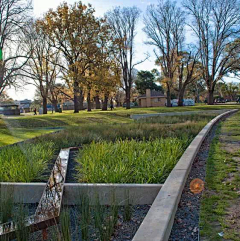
123	22
42	66
56	91
14	15
164	26
215	23
188	71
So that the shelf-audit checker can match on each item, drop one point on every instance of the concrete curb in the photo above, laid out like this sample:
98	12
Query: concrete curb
141	116
157	225
135	194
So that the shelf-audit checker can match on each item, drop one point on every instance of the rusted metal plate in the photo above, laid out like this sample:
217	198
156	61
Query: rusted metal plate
51	200
49	207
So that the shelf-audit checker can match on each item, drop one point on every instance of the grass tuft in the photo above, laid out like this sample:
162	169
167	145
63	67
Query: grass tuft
129	161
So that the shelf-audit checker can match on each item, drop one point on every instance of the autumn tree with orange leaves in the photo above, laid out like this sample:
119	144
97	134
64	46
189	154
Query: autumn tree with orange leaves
76	33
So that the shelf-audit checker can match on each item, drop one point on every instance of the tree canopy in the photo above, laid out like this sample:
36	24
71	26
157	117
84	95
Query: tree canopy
146	80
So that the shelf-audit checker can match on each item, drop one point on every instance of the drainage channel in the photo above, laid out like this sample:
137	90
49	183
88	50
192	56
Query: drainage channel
49	207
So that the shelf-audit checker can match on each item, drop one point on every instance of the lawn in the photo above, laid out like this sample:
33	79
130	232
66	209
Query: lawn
21	128
220	211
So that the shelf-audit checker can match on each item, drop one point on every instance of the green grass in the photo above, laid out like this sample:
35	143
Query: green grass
129	161
221	187
26	162
21	128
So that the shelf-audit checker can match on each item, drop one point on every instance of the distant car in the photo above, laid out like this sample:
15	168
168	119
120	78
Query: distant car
186	102
131	104
174	102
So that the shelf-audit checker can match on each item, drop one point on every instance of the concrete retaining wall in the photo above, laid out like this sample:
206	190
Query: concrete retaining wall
158	223
136	194
141	116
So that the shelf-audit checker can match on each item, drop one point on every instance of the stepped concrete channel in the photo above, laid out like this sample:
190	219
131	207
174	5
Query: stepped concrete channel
164	198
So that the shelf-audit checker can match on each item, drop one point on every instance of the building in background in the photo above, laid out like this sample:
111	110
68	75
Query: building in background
9	109
152	98
24	105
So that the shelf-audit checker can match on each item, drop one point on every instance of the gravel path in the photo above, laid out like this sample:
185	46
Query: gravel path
186	223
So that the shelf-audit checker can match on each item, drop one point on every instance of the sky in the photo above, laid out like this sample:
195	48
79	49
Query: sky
101	6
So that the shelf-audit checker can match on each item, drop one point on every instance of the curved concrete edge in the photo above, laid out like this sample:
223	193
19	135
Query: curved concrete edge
157	224
135	194
141	116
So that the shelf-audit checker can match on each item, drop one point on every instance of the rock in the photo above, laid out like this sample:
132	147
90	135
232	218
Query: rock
195	229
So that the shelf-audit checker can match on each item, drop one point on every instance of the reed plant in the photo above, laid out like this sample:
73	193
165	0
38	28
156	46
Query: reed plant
127	161
26	162
178	118
127	215
6	204
20	217
29	161
65	225
85	217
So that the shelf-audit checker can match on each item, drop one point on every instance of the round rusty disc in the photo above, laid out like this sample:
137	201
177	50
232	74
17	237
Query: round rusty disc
196	185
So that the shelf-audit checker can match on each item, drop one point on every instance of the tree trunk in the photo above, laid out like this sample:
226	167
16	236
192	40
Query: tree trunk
210	97
81	100
181	96
105	103
97	102
128	98
89	108
44	105
168	97
54	103
76	97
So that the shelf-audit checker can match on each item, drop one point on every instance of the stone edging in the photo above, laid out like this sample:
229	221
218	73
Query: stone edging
158	223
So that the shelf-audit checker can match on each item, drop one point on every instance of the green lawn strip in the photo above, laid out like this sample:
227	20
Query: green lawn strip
20	128
16	129
222	183
20	134
119	115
